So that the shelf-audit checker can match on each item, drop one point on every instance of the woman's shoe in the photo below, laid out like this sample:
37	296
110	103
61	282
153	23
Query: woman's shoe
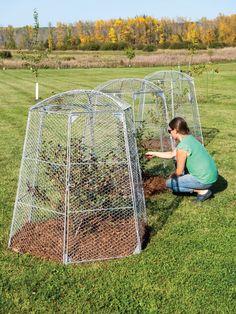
203	197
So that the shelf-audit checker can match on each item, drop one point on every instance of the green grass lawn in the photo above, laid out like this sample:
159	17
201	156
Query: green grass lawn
189	264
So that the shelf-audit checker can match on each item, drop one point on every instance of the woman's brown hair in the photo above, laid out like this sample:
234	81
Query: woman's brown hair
180	125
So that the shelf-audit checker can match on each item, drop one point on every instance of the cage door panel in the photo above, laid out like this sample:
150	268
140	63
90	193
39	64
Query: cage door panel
100	207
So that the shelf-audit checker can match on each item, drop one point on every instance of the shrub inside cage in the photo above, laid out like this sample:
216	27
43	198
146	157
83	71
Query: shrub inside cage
148	104
151	118
80	195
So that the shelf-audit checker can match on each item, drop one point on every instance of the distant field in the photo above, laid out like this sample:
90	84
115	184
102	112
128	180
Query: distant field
189	264
104	59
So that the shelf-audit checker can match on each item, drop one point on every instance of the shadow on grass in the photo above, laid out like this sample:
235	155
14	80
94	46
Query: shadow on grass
163	215
209	134
220	185
166	211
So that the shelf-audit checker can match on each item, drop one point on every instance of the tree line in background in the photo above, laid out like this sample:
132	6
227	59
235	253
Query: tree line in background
142	32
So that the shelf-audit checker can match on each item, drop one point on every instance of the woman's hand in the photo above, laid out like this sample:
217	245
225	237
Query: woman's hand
150	155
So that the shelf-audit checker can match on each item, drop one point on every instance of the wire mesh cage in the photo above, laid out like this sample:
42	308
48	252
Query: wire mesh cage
180	93
80	196
150	113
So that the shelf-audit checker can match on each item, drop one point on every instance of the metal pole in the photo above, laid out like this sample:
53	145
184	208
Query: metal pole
197	111
67	193
138	248
172	100
38	147
19	182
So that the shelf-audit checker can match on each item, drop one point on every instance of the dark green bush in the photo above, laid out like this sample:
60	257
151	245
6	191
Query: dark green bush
149	48
179	45
103	46
122	45
197	46
5	54
201	46
90	46
139	46
114	46
217	45
109	46
165	45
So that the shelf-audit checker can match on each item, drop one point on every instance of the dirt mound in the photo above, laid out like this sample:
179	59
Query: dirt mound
154	185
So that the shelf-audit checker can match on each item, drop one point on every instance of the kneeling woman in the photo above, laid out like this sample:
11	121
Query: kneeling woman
189	153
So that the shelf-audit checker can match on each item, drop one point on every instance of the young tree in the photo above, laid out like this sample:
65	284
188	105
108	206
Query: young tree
130	53
36	55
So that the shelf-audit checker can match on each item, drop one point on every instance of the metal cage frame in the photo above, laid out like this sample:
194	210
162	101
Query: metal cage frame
181	99
80	195
148	104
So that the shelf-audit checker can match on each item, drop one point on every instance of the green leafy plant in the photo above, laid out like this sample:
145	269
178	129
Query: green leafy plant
130	53
141	149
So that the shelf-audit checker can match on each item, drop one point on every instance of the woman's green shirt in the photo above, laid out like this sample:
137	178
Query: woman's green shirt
199	162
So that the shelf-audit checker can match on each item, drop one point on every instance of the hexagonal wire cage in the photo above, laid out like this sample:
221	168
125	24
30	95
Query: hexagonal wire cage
150	113
180	93
80	195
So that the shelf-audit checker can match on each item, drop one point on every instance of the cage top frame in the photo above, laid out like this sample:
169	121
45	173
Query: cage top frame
135	89
148	87
169	75
171	81
80	100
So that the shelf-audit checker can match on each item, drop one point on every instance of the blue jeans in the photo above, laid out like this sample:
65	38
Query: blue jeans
186	183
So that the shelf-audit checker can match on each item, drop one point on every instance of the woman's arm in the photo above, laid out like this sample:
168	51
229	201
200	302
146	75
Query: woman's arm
164	155
181	157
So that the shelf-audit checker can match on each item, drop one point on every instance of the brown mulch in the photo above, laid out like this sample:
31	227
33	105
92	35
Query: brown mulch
154	185
90	239
156	144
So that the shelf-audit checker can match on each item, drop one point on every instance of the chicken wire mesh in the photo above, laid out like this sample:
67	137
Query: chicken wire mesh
80	195
150	114
180	93
147	101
